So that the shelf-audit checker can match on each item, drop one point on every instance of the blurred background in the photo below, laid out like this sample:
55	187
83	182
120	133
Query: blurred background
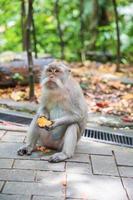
73	30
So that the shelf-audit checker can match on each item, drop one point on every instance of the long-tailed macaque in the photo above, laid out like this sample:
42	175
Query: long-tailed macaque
62	101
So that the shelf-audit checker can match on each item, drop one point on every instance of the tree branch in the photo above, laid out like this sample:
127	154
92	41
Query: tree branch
28	48
60	32
117	33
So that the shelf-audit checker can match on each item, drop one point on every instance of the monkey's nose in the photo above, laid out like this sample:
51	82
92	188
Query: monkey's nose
51	76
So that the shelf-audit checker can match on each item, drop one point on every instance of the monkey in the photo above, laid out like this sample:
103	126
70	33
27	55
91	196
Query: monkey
63	102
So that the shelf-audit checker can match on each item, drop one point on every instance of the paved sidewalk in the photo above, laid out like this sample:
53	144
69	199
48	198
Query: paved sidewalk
97	172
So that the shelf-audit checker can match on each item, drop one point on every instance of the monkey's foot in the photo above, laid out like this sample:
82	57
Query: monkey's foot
58	157
27	150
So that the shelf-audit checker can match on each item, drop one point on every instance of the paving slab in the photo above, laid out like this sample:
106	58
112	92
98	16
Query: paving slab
14	197
17	175
39	165
51	178
16	133
94	187
1	185
24	133
40	188
9	150
79	158
6	163
104	165
78	168
128	184
12	138
2	133
45	198
29	175
126	171
124	157
90	147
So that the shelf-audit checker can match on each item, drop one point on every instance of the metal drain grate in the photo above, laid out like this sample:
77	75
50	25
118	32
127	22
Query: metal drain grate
109	137
15	118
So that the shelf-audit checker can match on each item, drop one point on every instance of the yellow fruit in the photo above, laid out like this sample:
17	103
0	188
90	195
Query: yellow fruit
43	149
43	121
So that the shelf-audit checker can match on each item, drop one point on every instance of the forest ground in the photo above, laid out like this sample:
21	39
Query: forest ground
108	93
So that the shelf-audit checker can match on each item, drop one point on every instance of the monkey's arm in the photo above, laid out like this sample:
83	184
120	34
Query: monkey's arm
69	119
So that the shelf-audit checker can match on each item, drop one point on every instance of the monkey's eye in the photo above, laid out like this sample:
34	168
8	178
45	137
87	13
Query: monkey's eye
57	70
49	70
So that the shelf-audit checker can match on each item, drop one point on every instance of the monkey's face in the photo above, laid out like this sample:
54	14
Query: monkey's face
54	76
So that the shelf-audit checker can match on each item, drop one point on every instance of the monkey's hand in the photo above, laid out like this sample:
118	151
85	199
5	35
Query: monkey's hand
51	127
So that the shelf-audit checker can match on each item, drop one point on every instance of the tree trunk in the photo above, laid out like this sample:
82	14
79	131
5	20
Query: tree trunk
60	32
23	23
29	49
94	25
81	34
34	36
117	33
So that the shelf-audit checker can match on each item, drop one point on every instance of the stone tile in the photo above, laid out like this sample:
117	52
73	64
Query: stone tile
14	197
50	177
39	165
2	133
90	147
9	150
16	175
104	165
6	163
12	138
124	157
94	187
78	168
17	133
128	183
40	188
45	198
80	158
1	185
126	171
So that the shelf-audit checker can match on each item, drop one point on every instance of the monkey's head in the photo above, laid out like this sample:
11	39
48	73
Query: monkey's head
55	75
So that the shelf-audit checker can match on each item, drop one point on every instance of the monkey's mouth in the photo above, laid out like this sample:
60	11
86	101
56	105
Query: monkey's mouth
51	83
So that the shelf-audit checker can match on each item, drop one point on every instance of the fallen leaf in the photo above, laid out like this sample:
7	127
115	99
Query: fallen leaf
128	96
127	119
102	104
18	95
116	85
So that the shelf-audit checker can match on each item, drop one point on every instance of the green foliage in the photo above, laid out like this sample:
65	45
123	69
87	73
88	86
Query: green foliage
103	36
18	77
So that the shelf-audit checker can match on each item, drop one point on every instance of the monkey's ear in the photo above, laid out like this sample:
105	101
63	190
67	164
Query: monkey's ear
69	70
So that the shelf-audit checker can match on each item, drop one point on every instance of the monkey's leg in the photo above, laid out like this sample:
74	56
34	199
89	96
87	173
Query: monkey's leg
70	141
33	135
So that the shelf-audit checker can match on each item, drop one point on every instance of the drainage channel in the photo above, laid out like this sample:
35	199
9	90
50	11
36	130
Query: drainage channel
15	118
106	135
112	137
